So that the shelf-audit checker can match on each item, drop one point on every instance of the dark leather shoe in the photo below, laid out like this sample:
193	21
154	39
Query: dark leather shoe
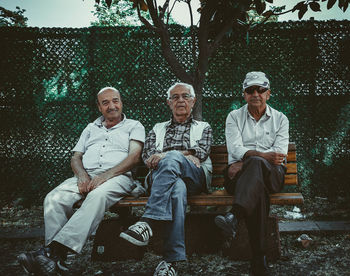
227	223
259	267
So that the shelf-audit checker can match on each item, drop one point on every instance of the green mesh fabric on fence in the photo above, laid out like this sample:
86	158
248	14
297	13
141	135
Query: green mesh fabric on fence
50	77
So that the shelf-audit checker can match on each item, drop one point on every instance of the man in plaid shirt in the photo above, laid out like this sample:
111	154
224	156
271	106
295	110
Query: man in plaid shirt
177	154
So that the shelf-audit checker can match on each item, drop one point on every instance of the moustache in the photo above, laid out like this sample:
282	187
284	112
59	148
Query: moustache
111	110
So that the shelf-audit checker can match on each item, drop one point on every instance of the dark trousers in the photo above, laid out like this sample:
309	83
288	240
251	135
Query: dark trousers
251	188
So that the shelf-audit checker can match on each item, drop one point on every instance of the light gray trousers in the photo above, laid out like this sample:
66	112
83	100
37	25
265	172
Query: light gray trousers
72	229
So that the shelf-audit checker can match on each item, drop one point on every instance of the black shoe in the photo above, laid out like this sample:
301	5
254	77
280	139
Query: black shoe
228	224
50	265
259	267
28	262
138	233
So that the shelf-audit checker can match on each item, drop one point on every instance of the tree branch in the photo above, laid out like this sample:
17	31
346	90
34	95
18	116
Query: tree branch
146	22
167	20
193	37
168	53
152	8
283	12
203	34
163	9
216	43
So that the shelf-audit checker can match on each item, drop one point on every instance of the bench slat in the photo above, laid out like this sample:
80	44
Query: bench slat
222	148
220	200
289	179
221	158
218	169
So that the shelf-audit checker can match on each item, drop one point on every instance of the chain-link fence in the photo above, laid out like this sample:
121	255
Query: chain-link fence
50	77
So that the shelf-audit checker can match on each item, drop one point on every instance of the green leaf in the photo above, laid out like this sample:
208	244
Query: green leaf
343	4
302	11
298	6
331	3
315	6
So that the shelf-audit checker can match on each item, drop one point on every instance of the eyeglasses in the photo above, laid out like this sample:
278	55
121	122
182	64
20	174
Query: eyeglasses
250	90
176	97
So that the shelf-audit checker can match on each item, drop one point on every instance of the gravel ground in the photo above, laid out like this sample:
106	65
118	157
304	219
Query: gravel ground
328	254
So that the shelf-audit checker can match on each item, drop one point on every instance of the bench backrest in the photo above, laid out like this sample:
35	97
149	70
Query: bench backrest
219	158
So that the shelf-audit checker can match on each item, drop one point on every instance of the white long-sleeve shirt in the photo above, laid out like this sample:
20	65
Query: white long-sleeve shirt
243	133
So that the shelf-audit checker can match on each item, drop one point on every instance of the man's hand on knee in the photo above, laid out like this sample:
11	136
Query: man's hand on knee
83	182
194	159
275	158
97	181
153	160
234	169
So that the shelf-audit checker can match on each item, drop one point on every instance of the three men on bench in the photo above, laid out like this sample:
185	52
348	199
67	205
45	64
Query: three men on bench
177	154
257	138
107	150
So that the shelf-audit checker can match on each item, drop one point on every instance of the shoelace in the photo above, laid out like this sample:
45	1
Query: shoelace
166	269
142	229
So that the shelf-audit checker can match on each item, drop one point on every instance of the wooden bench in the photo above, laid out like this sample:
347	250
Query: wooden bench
202	235
219	197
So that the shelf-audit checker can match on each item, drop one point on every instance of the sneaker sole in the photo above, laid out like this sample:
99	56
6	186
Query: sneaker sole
26	263
132	240
221	223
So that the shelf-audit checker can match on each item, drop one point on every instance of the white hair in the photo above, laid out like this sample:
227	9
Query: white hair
186	85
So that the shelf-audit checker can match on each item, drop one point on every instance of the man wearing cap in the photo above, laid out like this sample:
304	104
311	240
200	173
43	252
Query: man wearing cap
257	140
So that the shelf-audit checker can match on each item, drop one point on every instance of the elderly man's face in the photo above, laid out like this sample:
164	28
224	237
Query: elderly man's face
181	102
256	96
110	104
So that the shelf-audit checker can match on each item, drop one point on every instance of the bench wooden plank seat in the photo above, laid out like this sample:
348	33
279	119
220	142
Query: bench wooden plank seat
219	197
197	241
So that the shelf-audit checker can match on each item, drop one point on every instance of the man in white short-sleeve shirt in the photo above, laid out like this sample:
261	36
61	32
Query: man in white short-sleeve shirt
107	150
257	138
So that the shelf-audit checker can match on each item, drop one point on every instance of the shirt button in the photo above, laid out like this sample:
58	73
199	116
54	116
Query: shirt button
100	155
103	146
100	166
106	139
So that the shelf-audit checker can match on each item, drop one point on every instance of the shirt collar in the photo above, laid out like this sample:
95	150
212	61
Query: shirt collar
101	119
267	111
188	121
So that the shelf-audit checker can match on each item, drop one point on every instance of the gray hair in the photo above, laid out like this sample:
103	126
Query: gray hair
186	85
107	88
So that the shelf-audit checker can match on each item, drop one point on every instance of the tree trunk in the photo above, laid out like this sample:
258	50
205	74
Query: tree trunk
197	110
198	84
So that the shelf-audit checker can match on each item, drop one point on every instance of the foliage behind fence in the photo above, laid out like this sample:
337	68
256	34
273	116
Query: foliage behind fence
50	77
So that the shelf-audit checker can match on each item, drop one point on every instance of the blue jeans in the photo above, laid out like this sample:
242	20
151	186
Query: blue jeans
174	179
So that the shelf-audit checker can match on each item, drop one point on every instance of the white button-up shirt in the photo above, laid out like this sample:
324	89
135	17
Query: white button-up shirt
243	133
104	148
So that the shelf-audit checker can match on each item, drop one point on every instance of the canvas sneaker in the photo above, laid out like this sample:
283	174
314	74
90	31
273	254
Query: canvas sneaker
138	233
165	269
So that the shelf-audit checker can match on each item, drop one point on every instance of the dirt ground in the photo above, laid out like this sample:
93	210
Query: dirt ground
328	254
